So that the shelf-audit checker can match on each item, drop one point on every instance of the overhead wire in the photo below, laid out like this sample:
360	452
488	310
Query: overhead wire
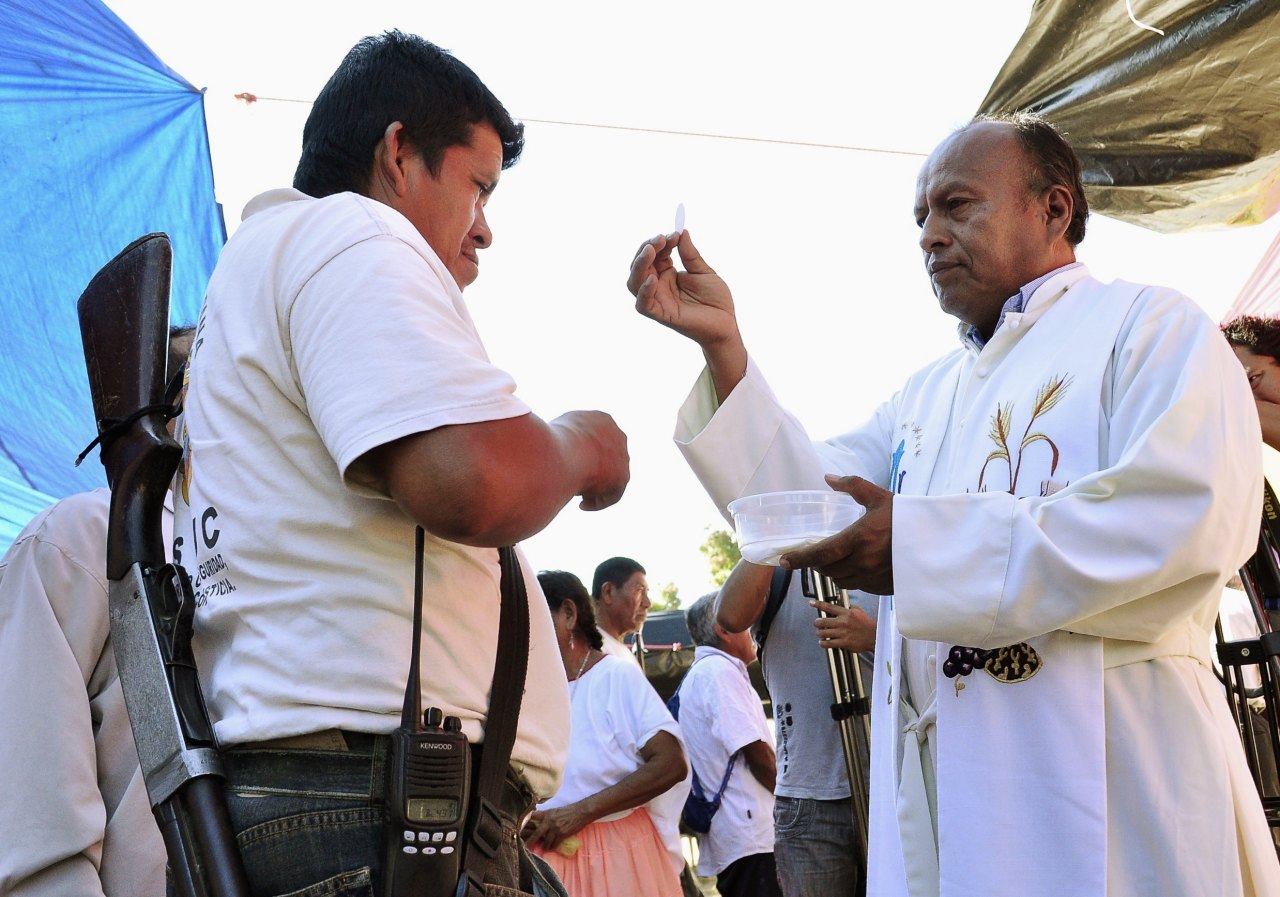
249	98
737	137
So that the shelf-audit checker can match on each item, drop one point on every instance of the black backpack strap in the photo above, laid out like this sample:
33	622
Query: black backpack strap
778	587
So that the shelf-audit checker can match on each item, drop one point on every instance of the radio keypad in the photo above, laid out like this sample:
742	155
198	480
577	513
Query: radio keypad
429	838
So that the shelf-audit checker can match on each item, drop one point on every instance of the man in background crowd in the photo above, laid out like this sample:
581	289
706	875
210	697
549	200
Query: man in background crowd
1256	342
621	594
729	744
75	817
816	845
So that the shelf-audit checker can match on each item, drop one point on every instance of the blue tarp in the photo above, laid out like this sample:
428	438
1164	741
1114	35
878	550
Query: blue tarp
100	143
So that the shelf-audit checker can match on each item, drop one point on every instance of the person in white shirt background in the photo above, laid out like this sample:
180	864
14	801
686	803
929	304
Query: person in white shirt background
75	817
598	831
723	722
621	595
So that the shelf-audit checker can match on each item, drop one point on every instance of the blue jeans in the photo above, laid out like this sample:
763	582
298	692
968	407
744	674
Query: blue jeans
309	823
814	848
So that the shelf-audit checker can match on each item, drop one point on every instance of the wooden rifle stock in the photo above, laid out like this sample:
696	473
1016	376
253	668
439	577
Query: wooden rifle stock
124	325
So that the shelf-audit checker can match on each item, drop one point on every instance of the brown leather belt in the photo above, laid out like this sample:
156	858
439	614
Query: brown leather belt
328	740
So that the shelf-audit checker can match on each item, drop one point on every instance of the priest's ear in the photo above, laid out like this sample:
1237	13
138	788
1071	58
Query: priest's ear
1057	205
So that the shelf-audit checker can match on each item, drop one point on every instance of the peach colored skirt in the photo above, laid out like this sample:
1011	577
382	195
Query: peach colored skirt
623	858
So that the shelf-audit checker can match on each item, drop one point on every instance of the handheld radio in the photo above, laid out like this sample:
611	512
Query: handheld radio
429	784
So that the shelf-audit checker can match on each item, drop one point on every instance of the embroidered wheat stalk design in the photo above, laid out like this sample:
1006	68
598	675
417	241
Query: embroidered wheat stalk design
1049	396
1000	423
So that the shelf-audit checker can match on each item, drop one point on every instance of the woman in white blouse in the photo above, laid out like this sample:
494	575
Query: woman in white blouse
623	751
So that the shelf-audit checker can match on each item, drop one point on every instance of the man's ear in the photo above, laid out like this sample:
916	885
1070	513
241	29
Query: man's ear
606	592
390	178
1058	206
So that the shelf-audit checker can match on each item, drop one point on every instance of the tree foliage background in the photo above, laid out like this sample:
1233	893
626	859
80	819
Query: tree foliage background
668	598
721	549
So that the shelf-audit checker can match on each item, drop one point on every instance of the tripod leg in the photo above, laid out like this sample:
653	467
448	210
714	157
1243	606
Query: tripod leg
851	708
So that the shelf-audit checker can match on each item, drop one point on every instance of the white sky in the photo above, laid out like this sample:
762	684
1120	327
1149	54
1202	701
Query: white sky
818	244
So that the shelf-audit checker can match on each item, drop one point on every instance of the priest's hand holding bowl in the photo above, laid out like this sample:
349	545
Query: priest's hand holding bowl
860	556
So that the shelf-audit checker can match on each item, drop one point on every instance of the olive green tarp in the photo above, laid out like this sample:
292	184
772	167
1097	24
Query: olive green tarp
1176	131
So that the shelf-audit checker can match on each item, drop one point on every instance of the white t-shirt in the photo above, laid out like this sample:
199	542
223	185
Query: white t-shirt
329	328
720	714
615	712
616	647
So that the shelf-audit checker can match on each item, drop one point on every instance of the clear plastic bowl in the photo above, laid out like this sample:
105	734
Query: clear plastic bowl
772	523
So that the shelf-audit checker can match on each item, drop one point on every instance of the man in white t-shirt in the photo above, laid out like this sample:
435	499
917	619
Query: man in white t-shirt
340	396
723	722
621	595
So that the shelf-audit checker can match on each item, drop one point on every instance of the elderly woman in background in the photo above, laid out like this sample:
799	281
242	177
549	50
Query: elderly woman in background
623	751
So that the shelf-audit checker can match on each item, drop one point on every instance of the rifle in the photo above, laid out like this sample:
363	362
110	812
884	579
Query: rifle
124	325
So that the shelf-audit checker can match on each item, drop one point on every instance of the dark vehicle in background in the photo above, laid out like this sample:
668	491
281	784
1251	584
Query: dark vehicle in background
668	653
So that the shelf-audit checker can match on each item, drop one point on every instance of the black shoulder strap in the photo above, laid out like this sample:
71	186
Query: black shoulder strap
1270	514
1262	571
778	586
510	668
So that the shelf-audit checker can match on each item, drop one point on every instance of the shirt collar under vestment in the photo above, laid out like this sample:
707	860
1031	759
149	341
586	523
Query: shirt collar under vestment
1016	305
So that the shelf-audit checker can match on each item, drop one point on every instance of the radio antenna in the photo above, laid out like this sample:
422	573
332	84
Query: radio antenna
411	715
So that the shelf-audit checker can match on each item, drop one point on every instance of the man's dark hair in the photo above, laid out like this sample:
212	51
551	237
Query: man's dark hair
1053	161
560	586
1261	336
615	570
701	620
395	77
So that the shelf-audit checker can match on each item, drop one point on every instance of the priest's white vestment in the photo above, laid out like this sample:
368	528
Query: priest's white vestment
1077	491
